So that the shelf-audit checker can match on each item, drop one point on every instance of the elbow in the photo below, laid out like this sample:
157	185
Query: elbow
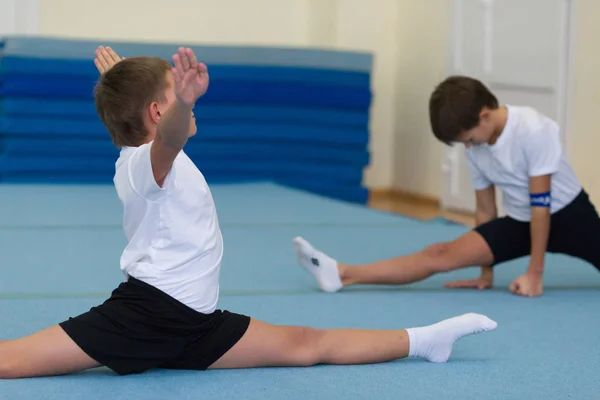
483	216
488	211
540	212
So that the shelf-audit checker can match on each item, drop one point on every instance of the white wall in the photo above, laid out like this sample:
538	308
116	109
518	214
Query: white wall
345	24
585	135
424	43
19	17
267	22
410	40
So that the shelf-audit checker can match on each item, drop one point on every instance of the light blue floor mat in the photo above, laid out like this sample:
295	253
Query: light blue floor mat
61	253
238	205
542	349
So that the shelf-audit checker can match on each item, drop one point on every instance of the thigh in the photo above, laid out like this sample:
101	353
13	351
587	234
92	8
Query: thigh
45	353
508	239
266	345
208	342
577	237
467	250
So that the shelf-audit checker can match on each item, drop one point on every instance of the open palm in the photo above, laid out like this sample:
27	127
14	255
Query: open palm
191	77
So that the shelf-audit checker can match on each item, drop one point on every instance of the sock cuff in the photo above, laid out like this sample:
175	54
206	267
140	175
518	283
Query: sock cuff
412	342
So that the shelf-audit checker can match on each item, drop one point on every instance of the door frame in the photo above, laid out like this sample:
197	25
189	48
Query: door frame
26	17
566	88
569	76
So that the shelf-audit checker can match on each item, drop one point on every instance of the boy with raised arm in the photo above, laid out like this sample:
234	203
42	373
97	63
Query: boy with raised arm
165	314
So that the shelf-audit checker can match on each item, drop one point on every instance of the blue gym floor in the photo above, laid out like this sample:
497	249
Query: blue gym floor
60	254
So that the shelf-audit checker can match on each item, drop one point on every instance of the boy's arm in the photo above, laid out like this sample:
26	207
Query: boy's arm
485	196
191	82
540	221
543	151
171	137
531	284
151	164
485	211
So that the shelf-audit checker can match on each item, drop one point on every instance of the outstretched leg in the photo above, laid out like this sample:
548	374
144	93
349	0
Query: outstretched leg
266	345
45	353
468	250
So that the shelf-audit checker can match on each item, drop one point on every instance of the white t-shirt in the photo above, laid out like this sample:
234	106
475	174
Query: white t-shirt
528	146
174	240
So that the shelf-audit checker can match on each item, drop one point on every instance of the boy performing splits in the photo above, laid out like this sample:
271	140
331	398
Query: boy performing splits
165	315
516	149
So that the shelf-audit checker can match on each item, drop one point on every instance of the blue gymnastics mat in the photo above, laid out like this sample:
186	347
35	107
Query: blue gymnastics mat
297	116
60	257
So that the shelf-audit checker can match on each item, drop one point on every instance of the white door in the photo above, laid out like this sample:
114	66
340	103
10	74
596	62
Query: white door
520	50
19	17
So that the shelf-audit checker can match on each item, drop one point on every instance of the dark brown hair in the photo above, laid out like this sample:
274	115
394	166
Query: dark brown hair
455	105
124	91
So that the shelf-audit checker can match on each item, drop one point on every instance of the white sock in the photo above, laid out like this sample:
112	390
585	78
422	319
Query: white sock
434	342
321	266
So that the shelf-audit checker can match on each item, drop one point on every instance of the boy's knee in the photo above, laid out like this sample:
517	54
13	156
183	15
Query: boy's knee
305	349
437	249
440	255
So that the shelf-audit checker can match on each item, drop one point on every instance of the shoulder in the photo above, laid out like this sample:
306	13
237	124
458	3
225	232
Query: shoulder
134	168
534	125
532	130
125	156
539	139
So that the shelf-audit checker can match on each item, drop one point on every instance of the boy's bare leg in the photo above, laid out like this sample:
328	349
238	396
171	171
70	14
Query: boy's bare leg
468	250
266	345
45	353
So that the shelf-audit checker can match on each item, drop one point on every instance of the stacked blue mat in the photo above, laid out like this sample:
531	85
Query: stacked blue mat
297	117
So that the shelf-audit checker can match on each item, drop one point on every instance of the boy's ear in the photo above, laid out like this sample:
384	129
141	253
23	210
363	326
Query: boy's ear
484	114
154	112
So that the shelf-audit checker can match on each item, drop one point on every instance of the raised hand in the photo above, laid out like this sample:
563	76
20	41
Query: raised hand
106	58
191	77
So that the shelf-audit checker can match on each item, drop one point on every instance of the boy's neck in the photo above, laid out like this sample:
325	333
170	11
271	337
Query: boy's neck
499	118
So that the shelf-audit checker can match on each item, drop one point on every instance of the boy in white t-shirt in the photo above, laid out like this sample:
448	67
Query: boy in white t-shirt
164	315
516	149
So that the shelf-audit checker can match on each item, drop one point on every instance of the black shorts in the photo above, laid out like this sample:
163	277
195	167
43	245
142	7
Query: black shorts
574	231
140	328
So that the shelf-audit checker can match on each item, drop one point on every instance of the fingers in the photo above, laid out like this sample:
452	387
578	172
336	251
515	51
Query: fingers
517	289
184	60
188	72
106	57
202	68
183	56
178	70
462	284
99	66
189	61
192	58
453	285
112	55
101	61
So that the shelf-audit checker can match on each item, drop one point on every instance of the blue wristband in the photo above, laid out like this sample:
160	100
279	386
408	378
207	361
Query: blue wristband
540	199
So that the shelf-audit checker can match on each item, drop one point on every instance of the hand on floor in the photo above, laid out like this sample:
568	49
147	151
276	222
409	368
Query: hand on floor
528	285
479	283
